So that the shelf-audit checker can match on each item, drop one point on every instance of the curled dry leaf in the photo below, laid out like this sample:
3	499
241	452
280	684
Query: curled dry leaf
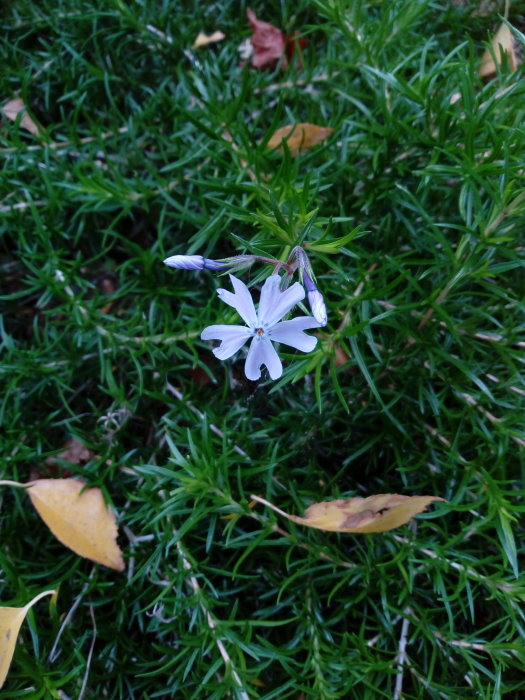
270	45
10	622
502	41
377	513
79	519
13	108
268	42
204	39
299	137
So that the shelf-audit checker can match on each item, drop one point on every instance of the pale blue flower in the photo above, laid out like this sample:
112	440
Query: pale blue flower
262	326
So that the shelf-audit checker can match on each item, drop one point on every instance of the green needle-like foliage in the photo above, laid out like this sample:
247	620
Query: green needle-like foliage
412	213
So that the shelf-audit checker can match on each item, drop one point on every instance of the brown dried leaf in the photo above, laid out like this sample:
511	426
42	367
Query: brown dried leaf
299	137
10	622
13	108
79	519
205	39
502	41
74	451
377	513
340	356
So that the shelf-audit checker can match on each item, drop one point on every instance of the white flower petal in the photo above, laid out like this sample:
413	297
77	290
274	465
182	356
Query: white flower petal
291	333
241	301
262	352
222	332
232	337
275	304
228	348
270	294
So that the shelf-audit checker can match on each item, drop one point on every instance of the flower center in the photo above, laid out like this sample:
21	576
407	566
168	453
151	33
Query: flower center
259	331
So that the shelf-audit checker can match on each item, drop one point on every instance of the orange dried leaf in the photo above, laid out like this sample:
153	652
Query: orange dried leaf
13	108
79	519
502	41
377	513
204	39
299	137
10	622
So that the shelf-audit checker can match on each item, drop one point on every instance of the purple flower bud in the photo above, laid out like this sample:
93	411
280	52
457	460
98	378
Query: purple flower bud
308	282
316	301
194	262
210	264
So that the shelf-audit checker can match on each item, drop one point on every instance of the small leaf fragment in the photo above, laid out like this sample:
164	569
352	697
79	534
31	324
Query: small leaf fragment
74	451
377	513
502	41
299	137
10	622
79	519
13	108
204	39
245	50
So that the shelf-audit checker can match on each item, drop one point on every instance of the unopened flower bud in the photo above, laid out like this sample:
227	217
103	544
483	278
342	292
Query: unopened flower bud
210	264
308	282
316	301
193	262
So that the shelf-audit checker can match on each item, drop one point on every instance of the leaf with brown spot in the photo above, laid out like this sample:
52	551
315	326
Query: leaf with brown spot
10	622
78	518
205	39
377	513
299	137
502	41
13	108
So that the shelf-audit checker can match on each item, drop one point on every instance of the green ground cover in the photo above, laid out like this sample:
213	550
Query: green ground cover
152	149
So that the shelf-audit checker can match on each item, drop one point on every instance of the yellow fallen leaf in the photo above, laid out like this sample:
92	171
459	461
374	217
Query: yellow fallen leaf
204	39
377	513
10	622
79	519
299	137
502	40
13	108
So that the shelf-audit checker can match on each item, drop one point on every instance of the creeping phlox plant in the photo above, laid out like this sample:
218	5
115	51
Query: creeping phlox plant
263	326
